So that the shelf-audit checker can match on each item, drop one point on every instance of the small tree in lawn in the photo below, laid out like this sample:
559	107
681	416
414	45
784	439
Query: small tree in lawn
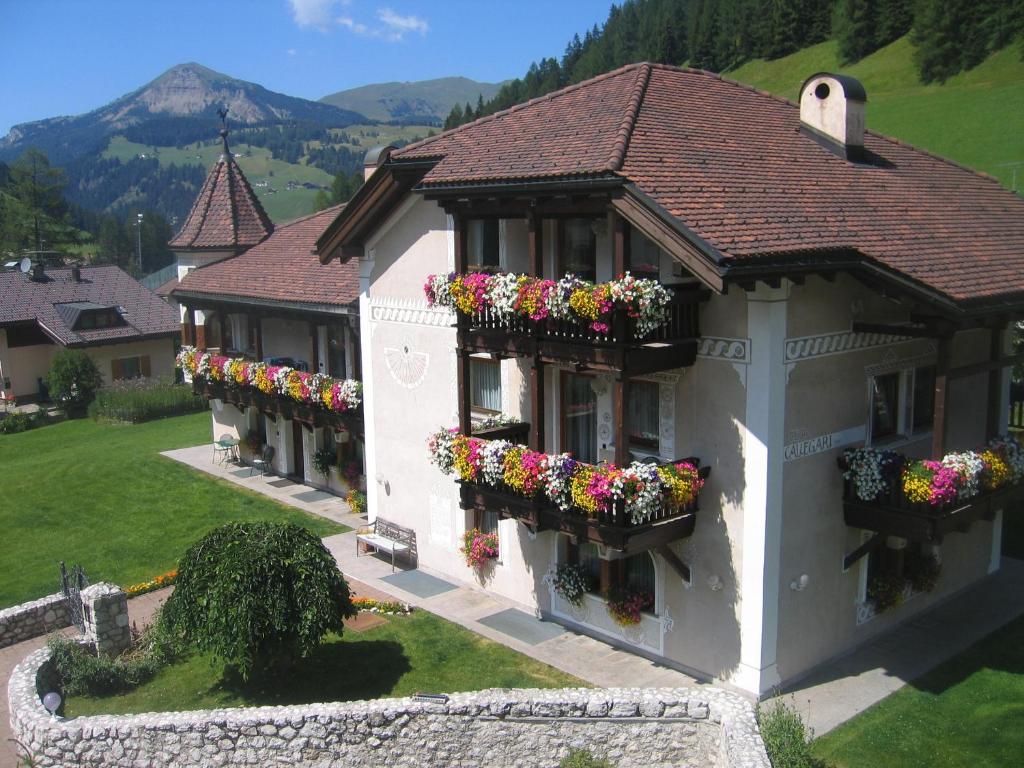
257	596
73	380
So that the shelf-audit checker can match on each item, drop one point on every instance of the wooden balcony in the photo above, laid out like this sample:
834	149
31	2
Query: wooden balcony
672	345
893	515
613	529
277	405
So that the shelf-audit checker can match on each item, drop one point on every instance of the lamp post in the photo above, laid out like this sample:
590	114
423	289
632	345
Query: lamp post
138	228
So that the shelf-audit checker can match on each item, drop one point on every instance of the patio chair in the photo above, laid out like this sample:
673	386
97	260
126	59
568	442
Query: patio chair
264	462
221	450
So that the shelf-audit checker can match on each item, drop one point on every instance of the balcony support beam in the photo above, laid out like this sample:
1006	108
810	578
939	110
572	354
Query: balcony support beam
255	321
674	562
463	387
620	245
942	365
868	546
995	385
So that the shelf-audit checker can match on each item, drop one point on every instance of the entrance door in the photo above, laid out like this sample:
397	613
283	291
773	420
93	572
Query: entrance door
300	459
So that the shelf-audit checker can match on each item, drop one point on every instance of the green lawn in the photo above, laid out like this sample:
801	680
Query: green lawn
101	495
968	713
975	118
408	654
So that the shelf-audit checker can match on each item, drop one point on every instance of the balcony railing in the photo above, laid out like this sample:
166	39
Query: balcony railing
923	501
276	405
622	522
672	344
893	514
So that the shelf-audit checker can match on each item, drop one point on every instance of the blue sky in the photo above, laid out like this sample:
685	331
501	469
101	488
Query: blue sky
68	57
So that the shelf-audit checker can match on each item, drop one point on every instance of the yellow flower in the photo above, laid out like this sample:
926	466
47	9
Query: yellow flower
515	475
579	488
998	473
583	303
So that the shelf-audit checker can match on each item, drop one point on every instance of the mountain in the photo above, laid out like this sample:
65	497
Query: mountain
424	101
180	105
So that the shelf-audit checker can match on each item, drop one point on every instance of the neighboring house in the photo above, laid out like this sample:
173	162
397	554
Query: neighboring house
833	288
252	291
124	327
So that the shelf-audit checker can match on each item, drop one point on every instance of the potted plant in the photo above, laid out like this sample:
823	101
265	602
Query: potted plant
625	605
479	548
571	582
323	460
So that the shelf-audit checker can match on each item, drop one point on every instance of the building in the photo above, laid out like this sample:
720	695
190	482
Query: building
832	288
250	290
124	327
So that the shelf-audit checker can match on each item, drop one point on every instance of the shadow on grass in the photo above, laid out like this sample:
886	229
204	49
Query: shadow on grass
335	671
1002	651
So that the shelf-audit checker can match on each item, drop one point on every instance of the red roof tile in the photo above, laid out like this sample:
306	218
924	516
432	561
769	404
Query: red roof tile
282	268
25	300
226	214
731	165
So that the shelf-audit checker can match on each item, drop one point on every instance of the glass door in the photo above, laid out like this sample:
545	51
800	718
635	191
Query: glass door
579	417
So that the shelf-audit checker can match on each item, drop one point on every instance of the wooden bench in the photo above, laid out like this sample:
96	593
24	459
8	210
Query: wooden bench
385	536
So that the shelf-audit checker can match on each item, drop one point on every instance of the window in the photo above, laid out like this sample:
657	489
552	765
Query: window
98	318
924	398
644	256
643	416
902	403
579	417
634	573
885	405
483	246
485	385
487	522
129	367
336	351
577	251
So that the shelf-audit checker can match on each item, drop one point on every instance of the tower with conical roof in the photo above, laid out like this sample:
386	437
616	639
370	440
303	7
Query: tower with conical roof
226	219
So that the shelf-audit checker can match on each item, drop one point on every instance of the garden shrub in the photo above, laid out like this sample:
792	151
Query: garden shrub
20	421
73	380
257	596
786	739
138	400
581	758
83	673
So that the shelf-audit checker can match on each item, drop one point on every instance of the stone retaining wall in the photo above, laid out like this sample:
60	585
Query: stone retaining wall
522	728
28	620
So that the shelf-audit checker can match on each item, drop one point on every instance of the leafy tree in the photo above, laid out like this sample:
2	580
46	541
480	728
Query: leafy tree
257	596
73	380
34	208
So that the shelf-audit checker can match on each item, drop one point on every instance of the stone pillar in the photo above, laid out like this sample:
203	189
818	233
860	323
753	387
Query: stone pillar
105	609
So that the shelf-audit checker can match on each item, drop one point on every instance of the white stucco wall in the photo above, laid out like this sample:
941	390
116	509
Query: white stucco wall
287	338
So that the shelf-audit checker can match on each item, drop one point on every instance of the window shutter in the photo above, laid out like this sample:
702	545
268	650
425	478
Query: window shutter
144	365
116	370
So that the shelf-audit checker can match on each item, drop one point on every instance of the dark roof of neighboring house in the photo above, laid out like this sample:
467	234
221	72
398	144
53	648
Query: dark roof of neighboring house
57	302
283	268
731	166
226	214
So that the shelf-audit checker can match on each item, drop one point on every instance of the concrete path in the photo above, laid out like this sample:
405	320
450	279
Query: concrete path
840	689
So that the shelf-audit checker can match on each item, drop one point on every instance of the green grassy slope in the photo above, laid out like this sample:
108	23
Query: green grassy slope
387	101
281	203
975	118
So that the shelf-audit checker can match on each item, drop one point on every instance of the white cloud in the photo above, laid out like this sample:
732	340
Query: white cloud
292	52
355	26
398	26
314	13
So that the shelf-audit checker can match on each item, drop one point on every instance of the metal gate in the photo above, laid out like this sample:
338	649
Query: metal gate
71	586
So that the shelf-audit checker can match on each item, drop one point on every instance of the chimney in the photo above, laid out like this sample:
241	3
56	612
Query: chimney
375	157
76	273
832	113
38	271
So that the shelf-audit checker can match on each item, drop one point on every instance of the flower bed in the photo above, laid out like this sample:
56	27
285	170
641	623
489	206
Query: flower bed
510	296
384	607
643	489
338	395
157	582
957	477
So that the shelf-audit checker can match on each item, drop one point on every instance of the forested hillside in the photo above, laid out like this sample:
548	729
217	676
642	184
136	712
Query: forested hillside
949	36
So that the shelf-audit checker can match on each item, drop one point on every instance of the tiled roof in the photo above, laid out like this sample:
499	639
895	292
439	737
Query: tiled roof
729	163
282	268
226	214
47	302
